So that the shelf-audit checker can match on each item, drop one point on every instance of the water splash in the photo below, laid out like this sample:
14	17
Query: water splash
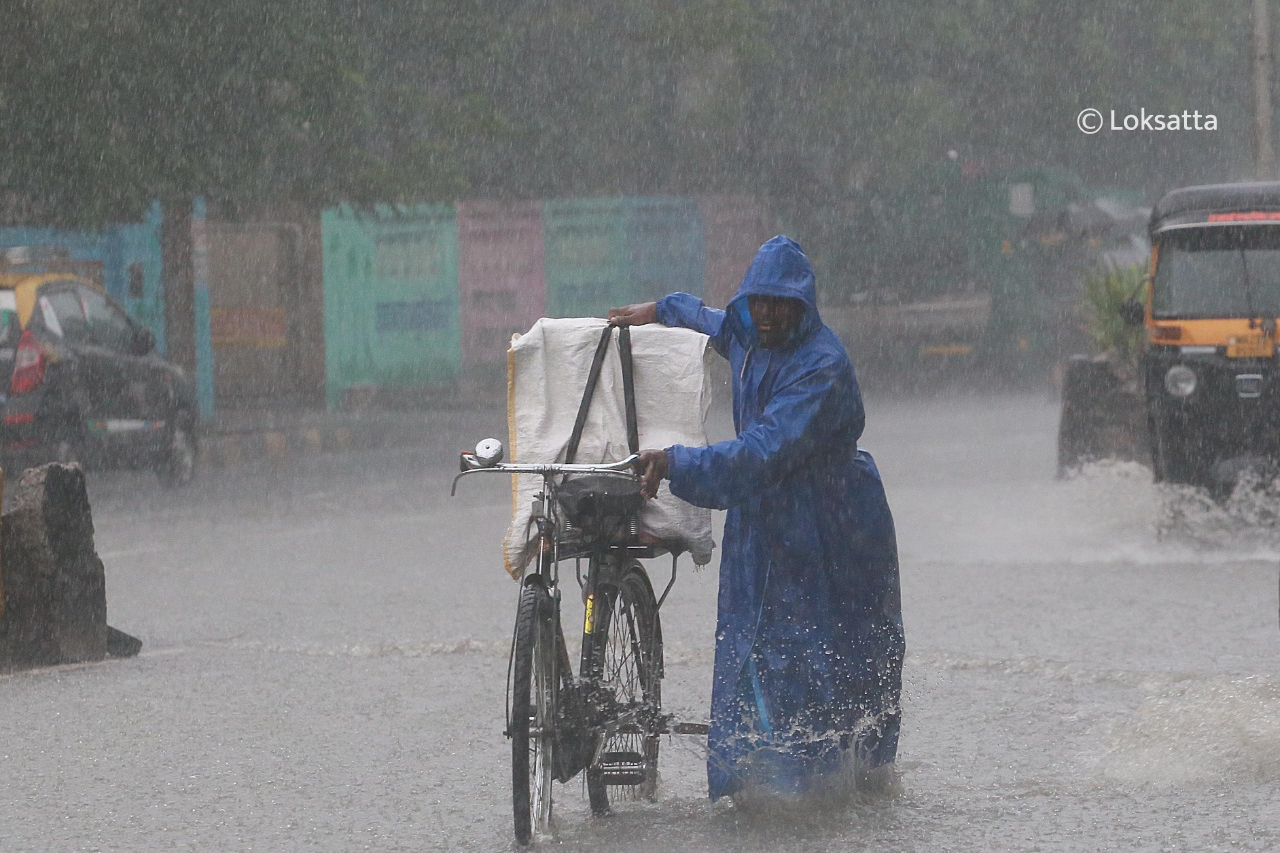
1249	518
1203	731
1127	517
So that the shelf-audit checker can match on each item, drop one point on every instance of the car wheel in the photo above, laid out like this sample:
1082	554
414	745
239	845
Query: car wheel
177	463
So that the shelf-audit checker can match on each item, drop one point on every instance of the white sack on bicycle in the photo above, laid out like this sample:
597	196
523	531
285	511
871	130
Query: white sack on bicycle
547	370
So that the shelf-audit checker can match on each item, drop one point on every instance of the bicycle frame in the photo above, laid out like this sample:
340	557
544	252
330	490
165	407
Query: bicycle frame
550	551
606	719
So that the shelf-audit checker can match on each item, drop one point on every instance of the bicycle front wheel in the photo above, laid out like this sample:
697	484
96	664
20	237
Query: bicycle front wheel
534	695
624	664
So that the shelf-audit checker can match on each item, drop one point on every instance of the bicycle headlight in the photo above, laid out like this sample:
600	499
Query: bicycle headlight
1180	381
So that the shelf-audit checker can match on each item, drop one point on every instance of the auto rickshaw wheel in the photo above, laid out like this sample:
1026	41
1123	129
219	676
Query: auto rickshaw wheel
1171	459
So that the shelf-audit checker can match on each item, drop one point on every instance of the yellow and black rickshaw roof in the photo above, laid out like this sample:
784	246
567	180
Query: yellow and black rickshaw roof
1255	203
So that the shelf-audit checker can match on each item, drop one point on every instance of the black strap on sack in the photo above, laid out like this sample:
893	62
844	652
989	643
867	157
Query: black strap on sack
629	389
593	378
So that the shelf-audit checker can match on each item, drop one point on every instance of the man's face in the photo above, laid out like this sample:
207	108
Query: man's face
775	318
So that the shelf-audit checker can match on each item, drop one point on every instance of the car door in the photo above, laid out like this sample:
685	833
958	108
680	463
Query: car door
127	419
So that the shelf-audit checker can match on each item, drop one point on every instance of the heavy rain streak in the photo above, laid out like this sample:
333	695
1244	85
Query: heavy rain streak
260	268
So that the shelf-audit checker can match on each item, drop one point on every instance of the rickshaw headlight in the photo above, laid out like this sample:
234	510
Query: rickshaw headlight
1180	381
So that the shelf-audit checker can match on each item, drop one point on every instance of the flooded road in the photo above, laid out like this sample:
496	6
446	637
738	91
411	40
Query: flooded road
1091	664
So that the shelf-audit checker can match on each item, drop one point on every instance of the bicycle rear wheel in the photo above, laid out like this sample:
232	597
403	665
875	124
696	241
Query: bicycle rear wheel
534	694
624	665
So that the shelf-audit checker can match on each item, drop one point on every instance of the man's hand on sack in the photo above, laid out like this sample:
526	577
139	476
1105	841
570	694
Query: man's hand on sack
652	468
639	314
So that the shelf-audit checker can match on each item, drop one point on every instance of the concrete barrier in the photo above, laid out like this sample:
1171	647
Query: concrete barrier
1103	415
52	581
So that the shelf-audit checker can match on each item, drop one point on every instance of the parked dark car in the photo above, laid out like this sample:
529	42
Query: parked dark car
85	383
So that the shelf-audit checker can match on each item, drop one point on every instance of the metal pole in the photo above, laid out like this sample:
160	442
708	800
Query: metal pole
1266	161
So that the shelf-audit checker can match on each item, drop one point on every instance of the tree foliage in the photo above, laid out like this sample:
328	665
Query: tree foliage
813	104
109	104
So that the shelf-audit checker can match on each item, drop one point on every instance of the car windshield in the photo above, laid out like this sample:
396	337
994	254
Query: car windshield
1218	272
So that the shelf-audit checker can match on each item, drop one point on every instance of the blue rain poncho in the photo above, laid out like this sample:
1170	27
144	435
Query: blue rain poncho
809	639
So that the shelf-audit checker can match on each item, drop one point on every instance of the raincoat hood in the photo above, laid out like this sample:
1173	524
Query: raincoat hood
780	268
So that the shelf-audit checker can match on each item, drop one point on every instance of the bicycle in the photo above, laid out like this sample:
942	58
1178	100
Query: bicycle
607	720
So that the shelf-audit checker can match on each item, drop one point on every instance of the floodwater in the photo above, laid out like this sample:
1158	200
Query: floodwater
1092	663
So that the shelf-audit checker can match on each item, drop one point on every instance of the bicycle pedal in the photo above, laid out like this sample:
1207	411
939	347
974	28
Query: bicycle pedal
622	768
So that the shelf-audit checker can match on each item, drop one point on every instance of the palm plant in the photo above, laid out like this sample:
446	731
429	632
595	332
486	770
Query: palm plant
1106	288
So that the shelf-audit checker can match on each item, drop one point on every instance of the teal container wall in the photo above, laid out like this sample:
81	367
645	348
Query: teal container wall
391	298
665	251
392	312
585	252
604	252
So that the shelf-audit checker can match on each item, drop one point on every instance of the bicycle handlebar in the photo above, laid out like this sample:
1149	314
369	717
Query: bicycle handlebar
472	465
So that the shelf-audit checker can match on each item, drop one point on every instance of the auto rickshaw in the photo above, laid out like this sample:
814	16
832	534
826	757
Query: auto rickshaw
1209	367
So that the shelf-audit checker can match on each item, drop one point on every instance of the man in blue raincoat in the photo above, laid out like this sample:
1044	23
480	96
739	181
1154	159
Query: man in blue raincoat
809	638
